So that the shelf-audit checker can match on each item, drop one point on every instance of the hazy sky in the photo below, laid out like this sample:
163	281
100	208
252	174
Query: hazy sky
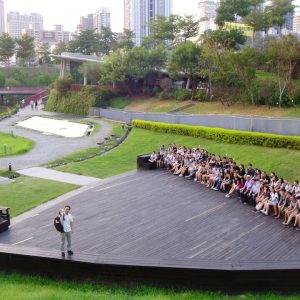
68	12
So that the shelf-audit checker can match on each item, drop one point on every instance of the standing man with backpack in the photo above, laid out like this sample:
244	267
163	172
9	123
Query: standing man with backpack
66	221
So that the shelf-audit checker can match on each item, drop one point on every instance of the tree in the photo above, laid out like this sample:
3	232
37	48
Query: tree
91	70
230	9
277	11
106	40
238	69
7	48
208	65
86	42
256	18
188	27
224	38
163	31
44	54
283	55
134	64
185	60
25	48
126	41
140	61
113	69
58	50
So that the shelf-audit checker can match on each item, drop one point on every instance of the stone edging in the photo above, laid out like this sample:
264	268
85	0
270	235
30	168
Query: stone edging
13	112
119	142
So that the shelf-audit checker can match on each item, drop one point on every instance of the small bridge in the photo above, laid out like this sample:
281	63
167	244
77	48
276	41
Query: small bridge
33	93
22	90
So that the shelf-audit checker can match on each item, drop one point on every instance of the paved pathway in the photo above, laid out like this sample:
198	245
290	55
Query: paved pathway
4	180
59	176
47	148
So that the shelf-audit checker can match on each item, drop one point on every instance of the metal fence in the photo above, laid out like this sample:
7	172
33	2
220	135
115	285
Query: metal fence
255	124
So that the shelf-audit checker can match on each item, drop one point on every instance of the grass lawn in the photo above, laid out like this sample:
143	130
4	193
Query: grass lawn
240	109
140	141
119	103
116	130
15	287
15	145
27	192
152	104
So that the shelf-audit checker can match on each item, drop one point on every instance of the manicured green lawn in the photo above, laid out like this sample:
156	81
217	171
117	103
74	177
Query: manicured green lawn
14	145
119	103
16	287
27	192
140	141
116	130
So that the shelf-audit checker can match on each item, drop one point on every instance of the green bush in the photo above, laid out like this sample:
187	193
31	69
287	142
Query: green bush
76	103
156	90
294	93
52	102
265	92
63	86
11	82
223	135
46	79
163	95
200	95
181	94
148	91
103	98
2	79
30	76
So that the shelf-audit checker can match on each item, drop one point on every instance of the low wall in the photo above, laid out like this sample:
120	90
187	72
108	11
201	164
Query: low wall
256	124
223	276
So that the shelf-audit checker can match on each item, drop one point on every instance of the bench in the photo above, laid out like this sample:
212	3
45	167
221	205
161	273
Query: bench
143	162
4	218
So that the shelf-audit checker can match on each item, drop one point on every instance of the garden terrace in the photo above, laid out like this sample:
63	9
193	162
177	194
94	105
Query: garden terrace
149	225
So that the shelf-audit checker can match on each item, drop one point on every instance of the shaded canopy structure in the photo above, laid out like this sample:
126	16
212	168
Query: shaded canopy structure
74	60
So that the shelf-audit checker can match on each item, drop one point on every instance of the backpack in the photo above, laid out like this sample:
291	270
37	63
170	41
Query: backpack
58	225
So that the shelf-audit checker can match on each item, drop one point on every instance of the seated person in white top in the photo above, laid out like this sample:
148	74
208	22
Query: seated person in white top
153	157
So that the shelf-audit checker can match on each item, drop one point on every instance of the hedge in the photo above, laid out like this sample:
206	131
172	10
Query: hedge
223	135
76	103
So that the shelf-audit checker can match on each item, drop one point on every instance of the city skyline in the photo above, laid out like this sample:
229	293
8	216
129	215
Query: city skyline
68	13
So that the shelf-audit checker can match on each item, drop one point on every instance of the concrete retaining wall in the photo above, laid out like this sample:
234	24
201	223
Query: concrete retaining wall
256	124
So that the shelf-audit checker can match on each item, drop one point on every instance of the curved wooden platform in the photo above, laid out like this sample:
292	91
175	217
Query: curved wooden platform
156	226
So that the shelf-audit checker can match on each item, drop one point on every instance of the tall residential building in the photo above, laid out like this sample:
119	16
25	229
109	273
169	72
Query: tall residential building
296	23
141	14
17	22
127	14
207	14
101	19
51	37
86	23
2	17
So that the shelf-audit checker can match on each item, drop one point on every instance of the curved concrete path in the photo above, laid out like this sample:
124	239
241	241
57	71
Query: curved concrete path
47	148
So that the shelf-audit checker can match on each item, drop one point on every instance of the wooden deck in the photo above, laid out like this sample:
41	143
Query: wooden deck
152	218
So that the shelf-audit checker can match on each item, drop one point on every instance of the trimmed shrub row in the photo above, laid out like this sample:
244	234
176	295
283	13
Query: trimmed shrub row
223	135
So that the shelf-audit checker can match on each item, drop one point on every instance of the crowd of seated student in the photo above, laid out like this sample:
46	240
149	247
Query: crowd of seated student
252	186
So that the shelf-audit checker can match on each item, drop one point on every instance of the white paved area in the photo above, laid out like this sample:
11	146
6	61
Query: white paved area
63	128
50	174
47	148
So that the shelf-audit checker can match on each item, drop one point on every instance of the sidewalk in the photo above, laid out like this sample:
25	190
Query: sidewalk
49	174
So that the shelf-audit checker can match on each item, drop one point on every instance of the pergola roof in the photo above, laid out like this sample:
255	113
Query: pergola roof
79	57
